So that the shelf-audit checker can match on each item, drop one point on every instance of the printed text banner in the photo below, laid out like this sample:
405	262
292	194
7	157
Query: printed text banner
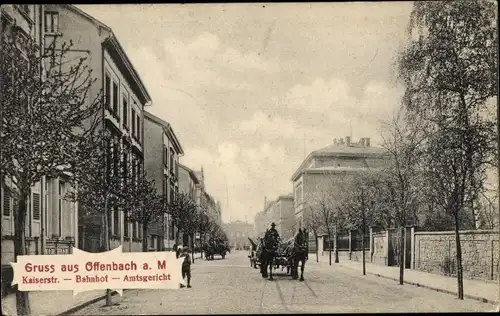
83	271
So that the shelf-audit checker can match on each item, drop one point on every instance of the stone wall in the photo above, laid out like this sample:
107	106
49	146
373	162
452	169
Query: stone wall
379	245
435	252
358	256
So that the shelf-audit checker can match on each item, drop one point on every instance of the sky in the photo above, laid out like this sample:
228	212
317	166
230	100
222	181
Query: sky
250	89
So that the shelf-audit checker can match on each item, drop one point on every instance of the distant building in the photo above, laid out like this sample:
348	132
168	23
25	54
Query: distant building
263	219
286	216
281	212
320	167
238	233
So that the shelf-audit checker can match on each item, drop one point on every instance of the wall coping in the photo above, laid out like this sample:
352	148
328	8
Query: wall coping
491	232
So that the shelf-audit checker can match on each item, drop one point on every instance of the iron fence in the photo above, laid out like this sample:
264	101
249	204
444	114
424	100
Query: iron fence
342	243
357	243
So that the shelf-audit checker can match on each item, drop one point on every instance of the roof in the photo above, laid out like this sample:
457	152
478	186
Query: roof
288	196
351	150
199	175
191	173
113	43
85	15
167	128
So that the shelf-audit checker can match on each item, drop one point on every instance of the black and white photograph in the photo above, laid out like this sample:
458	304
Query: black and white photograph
249	158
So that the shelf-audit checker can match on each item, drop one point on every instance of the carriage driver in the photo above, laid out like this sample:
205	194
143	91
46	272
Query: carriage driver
274	232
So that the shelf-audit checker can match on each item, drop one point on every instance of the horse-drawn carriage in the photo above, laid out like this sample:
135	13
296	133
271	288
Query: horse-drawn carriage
270	253
215	248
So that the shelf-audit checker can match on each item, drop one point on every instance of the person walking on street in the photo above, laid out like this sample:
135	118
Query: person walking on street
186	266
177	249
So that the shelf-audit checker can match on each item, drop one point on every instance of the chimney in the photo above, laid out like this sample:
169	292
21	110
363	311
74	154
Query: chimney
367	142
348	140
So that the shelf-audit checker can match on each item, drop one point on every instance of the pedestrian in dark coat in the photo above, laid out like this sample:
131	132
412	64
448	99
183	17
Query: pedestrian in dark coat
186	266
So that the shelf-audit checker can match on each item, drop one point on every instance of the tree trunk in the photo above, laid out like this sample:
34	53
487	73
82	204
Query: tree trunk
460	278
363	233
317	247
192	245
330	244
401	256
106	243
202	238
177	233
336	244
22	298
144	238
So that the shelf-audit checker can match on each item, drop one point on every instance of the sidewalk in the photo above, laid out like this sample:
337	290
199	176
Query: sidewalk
51	302
484	291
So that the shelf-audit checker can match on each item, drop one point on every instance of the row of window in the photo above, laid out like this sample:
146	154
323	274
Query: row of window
51	22
169	160
114	219
298	195
238	234
112	99
51	18
10	203
169	189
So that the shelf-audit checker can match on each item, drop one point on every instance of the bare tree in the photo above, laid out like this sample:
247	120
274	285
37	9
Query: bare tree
45	116
361	202
488	210
99	183
145	205
313	222
450	71
401	178
184	214
327	210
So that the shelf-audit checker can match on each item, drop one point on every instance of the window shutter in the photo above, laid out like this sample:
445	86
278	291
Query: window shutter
6	202
164	156
36	206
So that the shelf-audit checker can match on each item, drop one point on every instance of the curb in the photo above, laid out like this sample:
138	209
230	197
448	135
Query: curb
471	297
85	304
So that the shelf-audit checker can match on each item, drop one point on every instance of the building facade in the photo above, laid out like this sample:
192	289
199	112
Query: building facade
51	219
188	183
238	233
125	98
284	209
281	212
333	163
162	152
263	219
55	224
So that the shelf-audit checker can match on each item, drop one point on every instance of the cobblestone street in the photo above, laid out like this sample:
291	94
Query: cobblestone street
231	286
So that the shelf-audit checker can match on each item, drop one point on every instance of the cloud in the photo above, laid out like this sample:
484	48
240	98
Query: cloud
204	60
241	62
333	102
268	125
236	176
